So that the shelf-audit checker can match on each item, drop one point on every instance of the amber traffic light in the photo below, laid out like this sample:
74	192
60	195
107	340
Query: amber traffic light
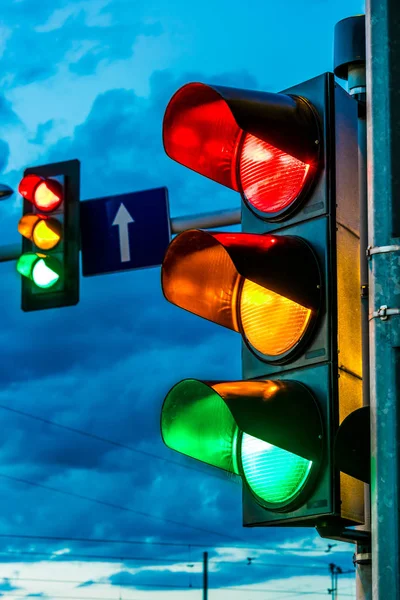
267	287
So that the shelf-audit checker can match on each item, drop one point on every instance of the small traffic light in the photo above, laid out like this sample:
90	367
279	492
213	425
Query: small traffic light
49	262
289	285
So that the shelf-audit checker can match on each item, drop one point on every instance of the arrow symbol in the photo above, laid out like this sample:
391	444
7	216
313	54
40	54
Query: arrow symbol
122	219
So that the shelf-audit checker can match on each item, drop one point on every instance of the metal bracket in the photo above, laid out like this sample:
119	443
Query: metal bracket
383	313
336	531
362	558
381	250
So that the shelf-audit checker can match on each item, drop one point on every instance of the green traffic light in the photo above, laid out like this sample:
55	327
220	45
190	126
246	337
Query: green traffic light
44	271
227	425
275	475
44	275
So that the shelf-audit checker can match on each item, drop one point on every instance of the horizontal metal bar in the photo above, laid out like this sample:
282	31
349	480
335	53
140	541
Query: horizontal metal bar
10	252
382	249
219	218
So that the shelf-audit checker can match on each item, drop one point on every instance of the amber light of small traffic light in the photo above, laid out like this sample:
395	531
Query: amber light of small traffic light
45	233
45	194
267	287
265	146
268	432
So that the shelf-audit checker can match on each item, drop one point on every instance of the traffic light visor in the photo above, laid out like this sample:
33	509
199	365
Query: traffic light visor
269	432
196	423
44	271
45	194
266	287
263	145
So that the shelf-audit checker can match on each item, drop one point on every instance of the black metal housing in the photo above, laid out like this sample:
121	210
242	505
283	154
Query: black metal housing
349	45
65	293
330	362
353	445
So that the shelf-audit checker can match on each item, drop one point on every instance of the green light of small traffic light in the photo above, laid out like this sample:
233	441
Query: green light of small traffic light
275	475
43	275
44	271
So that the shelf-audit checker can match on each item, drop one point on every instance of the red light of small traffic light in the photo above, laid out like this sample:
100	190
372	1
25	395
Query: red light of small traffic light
45	194
216	132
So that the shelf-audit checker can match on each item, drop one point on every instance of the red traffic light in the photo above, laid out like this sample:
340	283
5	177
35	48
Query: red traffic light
265	146
45	194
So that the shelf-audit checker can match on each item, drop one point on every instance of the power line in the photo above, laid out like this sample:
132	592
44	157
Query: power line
127	584
272	564
117	506
105	440
155	543
311	593
152	585
66	557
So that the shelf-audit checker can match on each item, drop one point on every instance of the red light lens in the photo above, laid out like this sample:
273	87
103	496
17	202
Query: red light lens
200	132
271	179
48	195
27	186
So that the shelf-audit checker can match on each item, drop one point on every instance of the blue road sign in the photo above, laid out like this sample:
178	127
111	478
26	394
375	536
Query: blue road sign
129	231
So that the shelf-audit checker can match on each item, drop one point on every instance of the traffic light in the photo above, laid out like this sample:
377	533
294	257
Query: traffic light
49	262
288	284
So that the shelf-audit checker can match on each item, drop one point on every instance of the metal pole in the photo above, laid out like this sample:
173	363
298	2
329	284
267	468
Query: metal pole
205	575
362	558
218	218
10	252
383	138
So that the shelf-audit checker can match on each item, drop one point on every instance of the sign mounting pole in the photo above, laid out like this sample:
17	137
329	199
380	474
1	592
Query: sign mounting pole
383	139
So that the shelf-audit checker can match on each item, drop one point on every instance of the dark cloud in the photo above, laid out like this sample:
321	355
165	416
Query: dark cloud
7	114
71	35
4	154
106	365
42	130
7	586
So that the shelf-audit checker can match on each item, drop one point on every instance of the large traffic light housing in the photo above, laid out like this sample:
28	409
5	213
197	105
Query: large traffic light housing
50	226
289	285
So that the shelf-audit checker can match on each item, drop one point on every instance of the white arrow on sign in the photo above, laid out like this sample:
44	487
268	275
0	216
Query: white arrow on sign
122	219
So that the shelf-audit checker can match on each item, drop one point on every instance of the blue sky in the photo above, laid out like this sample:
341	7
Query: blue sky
91	80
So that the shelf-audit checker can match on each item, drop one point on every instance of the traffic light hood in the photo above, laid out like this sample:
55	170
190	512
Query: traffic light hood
265	146
287	122
268	287
231	424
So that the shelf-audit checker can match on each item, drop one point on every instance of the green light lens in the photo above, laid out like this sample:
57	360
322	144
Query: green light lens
274	475
44	275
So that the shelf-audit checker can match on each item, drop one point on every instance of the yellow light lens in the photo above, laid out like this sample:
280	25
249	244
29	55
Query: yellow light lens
47	234
272	323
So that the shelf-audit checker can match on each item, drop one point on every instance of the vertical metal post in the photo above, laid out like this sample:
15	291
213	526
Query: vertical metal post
383	137
362	558
205	575
350	64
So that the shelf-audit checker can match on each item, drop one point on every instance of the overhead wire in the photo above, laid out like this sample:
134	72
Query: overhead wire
111	442
165	586
275	549
117	506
